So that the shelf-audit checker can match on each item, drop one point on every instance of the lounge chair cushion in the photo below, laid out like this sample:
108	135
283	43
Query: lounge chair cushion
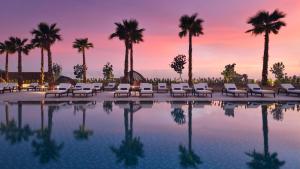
256	88
231	88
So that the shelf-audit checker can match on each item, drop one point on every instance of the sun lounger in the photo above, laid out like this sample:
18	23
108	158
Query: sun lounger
78	86
2	87
162	88
230	88
146	89
86	89
110	86
288	89
177	90
123	89
98	87
256	89
200	89
32	87
12	87
61	89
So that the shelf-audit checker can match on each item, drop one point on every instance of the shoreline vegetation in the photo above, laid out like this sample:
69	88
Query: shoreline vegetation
130	33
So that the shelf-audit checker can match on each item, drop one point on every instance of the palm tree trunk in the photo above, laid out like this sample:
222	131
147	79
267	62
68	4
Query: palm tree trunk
6	114
42	67
131	124
126	123
190	60
50	69
264	80
42	116
131	64
126	62
190	126
20	69
265	128
6	67
83	119
84	66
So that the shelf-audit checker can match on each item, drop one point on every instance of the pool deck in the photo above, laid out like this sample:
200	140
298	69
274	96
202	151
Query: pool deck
108	96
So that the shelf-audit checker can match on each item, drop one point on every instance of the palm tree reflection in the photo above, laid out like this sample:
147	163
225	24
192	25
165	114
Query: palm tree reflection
15	133
45	147
265	160
107	106
82	133
188	158
131	148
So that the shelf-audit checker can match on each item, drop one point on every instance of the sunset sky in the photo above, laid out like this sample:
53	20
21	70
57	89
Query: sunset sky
224	40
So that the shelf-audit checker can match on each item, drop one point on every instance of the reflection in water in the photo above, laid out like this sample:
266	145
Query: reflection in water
15	133
82	133
131	148
45	147
188	158
107	106
265	160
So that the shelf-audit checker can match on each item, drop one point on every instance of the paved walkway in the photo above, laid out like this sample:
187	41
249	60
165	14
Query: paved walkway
108	96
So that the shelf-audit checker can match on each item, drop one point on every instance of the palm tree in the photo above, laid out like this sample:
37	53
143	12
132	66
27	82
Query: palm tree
8	48
136	36
265	160
122	32
49	34
188	158
190	26
40	42
21	47
266	23
82	45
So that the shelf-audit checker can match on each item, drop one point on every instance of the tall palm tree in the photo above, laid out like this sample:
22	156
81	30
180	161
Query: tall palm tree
136	36
22	47
82	45
8	48
40	42
50	35
190	26
265	160
122	32
266	23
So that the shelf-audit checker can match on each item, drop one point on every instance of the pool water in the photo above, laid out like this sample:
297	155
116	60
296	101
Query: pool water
149	135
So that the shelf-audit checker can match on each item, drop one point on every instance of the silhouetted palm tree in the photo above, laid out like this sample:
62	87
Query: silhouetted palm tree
7	47
265	160
136	36
21	47
40	42
131	147
188	158
178	116
266	23
123	33
190	26
49	34
82	45
46	148
82	133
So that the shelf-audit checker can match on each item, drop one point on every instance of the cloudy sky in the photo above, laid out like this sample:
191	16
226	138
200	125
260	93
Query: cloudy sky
224	40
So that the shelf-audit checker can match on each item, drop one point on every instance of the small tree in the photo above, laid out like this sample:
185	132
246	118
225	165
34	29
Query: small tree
278	70
108	71
178	64
229	72
56	70
78	71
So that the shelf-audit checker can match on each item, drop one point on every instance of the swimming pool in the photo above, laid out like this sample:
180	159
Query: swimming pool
149	135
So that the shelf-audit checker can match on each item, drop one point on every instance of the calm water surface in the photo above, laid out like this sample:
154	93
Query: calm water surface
147	135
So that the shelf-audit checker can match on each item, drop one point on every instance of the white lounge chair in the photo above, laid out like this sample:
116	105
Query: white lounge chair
230	88
177	90
200	89
32	86
146	89
256	89
162	88
123	89
61	89
86	89
2	87
79	86
110	86
288	88
12	87
97	87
